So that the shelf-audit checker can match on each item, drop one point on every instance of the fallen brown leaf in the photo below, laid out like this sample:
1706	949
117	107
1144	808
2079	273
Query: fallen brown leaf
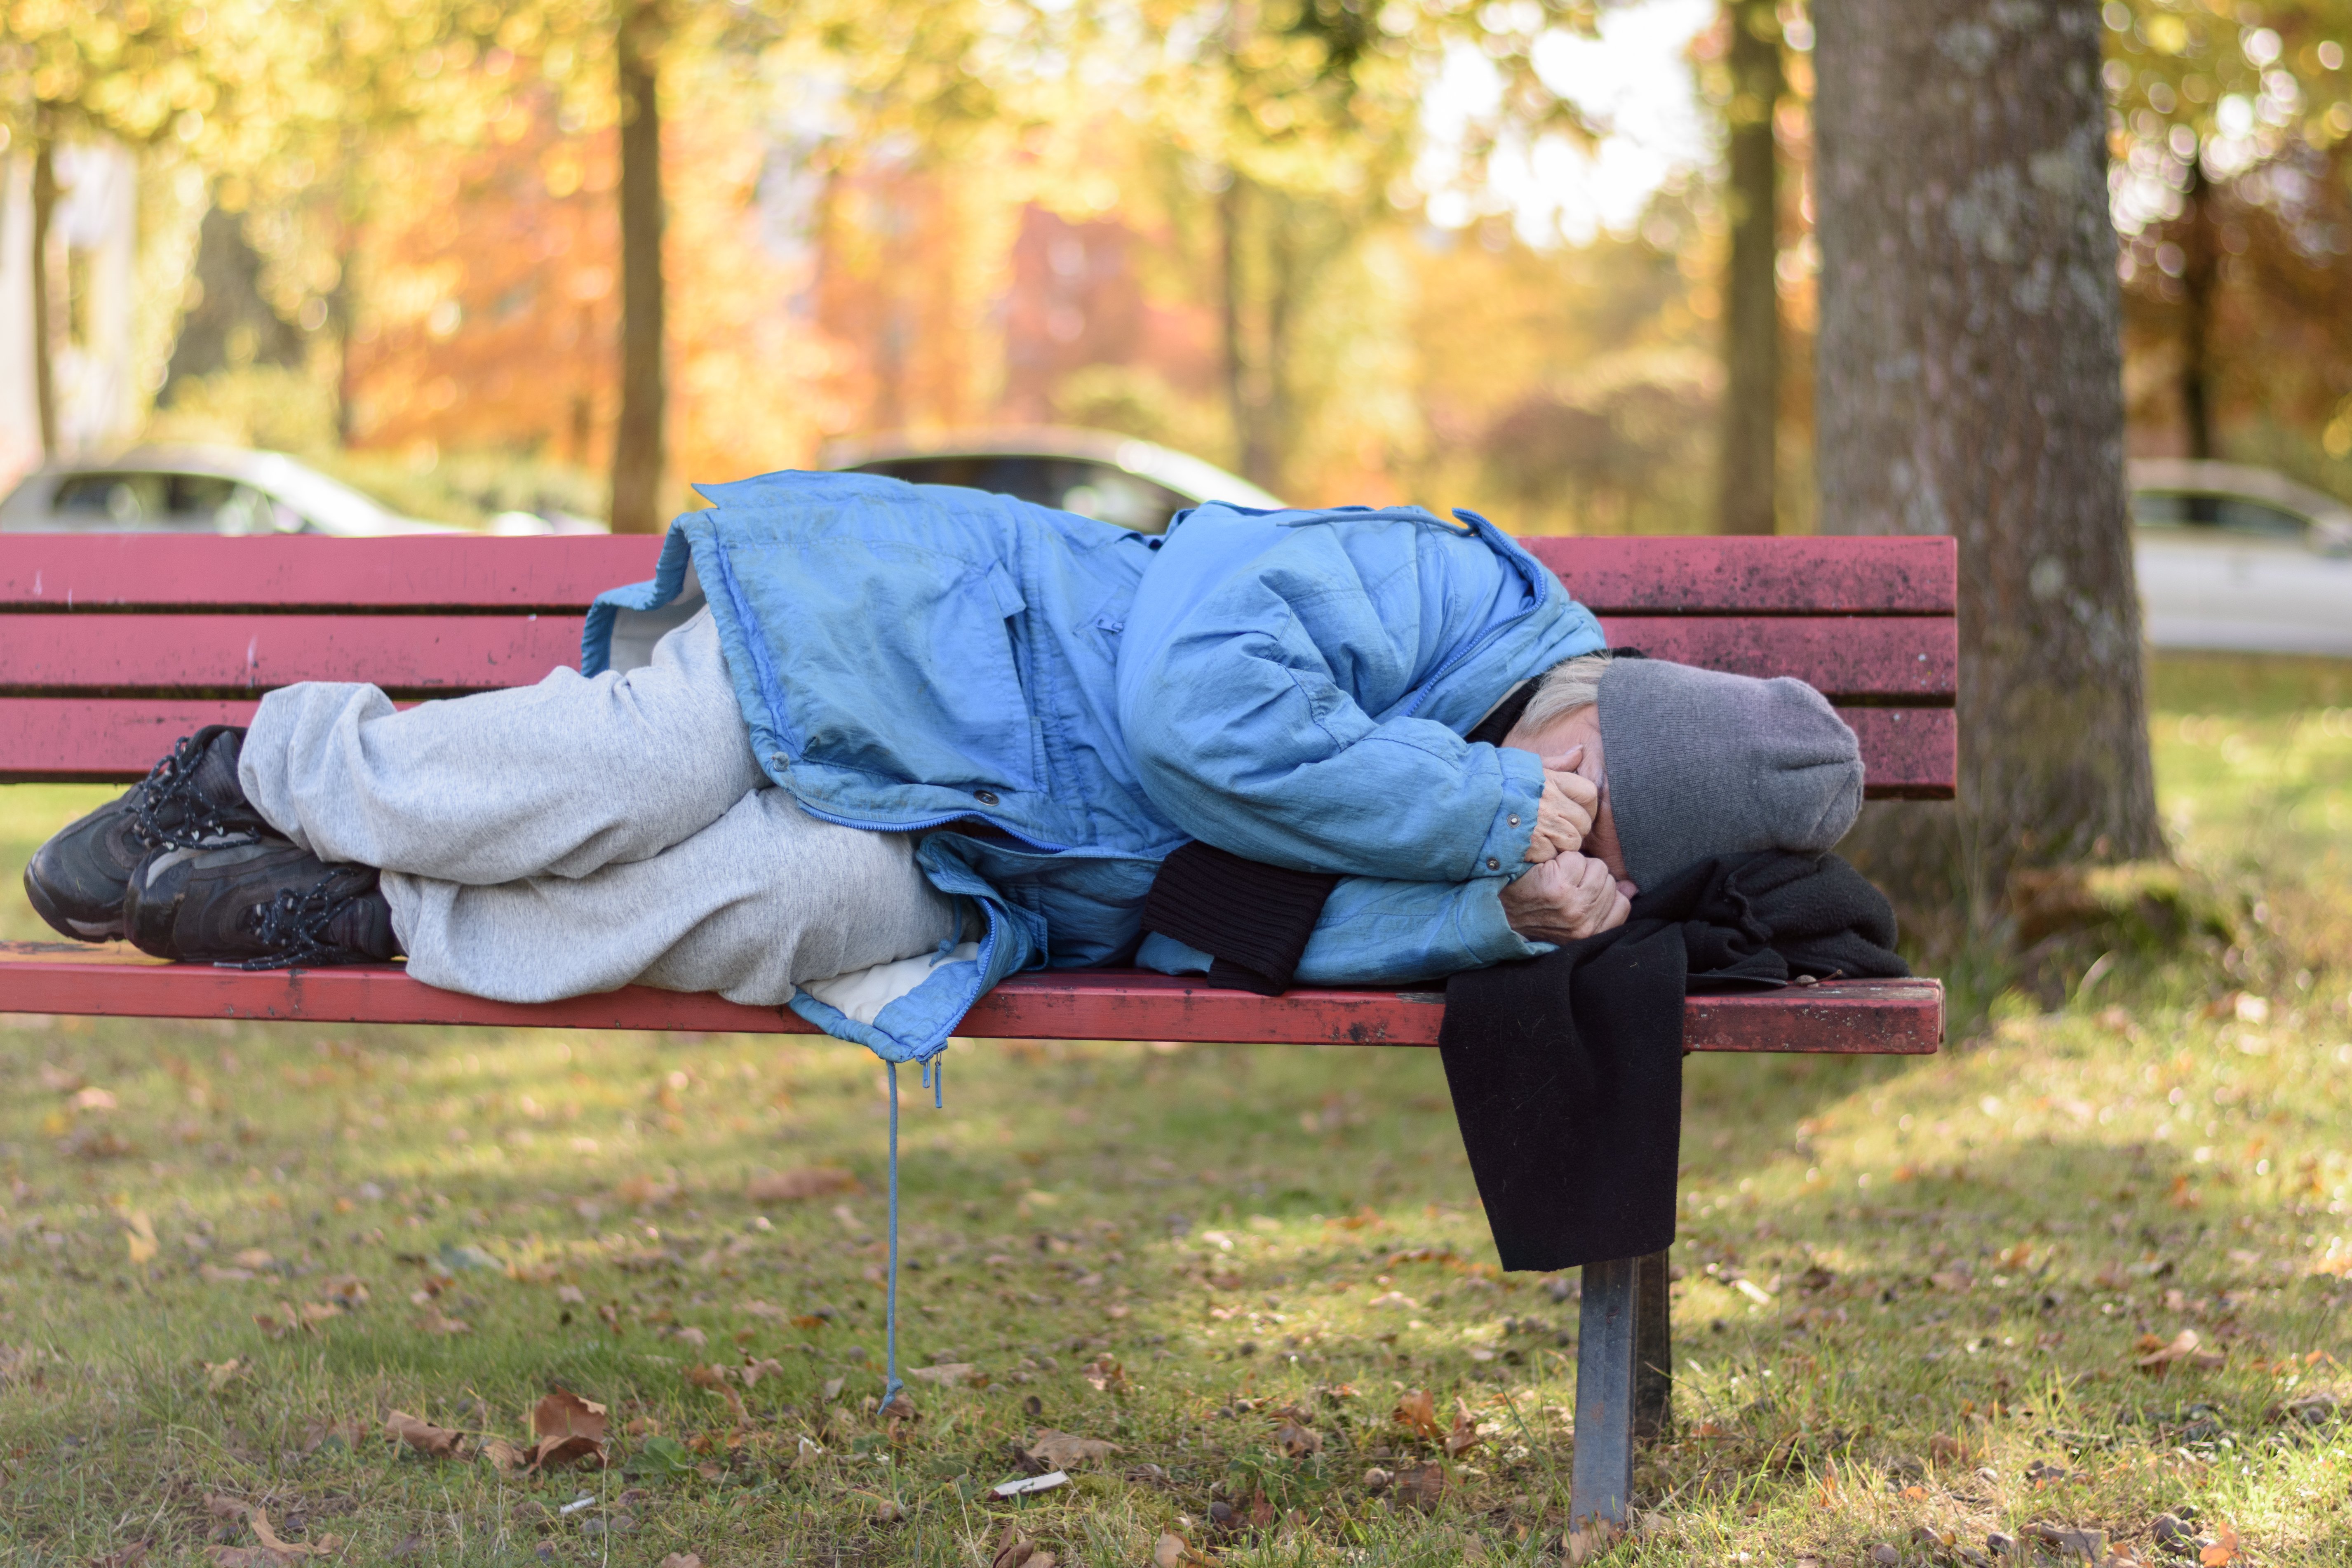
503	1454
571	1430
259	1522
753	1370
1174	1551
791	1186
130	1556
141	1243
218	1372
285	1320
2154	1355
1419	1485
2224	1550
946	1374
1464	1435
214	1274
1014	1551
440	1442
681	1560
432	1320
1105	1375
1065	1451
1418	1412
1298	1441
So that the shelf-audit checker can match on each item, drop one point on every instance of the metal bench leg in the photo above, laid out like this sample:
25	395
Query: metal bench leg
1603	1478
1654	1350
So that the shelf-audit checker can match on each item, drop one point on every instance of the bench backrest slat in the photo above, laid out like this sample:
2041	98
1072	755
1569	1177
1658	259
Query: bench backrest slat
112	645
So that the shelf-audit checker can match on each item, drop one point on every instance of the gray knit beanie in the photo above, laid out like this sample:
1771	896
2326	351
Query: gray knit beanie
1701	763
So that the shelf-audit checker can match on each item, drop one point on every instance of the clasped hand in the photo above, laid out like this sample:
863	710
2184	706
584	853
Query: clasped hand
1567	898
1564	813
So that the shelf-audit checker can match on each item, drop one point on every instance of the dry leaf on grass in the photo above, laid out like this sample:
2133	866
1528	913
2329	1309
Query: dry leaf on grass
221	1506
432	1320
1105	1375
791	1186
1418	1412
1067	1451
1464	1435
2152	1354
218	1372
1174	1551
440	1442
571	1430
681	1560
1298	1441
140	1240
1015	1551
504	1456
946	1374
1419	1485
260	1521
768	1312
214	1274
2224	1550
130	1556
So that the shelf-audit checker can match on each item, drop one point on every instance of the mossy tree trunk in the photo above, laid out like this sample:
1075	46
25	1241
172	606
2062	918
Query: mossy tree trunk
1971	384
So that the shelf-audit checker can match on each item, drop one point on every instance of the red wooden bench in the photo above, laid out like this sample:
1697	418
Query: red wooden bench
112	646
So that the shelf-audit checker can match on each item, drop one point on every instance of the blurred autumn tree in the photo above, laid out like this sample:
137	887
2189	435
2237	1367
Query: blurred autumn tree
2232	189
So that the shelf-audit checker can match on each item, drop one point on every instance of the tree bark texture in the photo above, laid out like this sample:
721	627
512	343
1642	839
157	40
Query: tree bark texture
1751	295
45	346
1970	383
639	450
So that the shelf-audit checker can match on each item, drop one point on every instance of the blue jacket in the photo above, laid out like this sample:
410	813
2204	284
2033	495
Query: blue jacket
1055	705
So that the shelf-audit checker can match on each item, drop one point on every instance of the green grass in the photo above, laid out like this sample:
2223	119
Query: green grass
1903	1282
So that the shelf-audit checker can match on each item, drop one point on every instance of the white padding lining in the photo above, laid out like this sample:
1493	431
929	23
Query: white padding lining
862	993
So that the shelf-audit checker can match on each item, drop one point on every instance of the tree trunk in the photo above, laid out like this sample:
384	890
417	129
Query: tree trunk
1970	383
638	441
2200	285
45	375
1242	406
1751	295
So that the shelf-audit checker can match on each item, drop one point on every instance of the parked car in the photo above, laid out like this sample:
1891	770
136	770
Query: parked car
1120	479
197	489
2240	558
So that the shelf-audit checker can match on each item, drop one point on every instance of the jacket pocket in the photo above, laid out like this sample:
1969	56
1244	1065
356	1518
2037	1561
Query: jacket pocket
922	684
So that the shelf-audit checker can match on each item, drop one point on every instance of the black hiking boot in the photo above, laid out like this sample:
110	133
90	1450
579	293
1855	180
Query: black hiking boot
190	800
258	906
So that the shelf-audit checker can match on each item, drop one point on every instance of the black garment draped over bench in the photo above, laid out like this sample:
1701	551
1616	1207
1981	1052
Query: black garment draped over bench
1566	1070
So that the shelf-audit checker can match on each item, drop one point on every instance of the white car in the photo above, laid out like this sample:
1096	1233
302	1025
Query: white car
197	489
2240	558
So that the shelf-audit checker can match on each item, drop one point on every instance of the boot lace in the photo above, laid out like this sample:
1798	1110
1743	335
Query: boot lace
201	825
293	927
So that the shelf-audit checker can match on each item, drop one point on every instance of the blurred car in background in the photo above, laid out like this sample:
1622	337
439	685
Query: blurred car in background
2239	558
1118	479
197	489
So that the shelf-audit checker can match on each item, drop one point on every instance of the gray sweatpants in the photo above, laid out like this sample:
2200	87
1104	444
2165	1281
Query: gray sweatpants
578	834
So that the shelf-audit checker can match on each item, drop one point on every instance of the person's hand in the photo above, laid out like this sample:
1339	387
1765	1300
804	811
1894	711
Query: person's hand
1567	898
1564	813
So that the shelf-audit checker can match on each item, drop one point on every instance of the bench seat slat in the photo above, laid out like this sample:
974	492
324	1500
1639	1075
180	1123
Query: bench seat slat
1910	753
166	652
1866	1017
1682	575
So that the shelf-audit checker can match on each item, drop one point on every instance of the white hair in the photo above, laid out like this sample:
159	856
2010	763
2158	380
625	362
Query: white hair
1563	689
